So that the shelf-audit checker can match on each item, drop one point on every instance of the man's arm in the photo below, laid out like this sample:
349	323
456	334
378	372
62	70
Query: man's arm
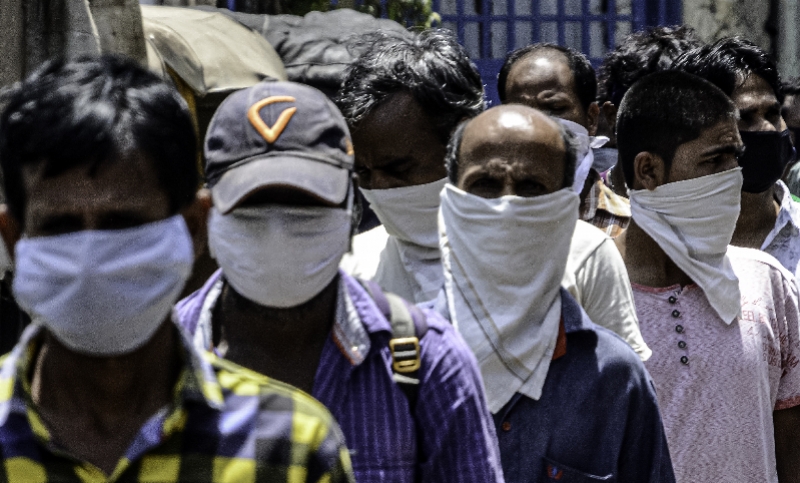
787	444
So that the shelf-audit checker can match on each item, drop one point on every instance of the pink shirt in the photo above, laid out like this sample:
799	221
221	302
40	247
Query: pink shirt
718	384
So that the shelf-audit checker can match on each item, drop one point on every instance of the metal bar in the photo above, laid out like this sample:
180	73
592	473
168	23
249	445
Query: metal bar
460	21
662	12
484	30
586	28
547	18
536	22
611	24
232	5
562	22
511	25
639	14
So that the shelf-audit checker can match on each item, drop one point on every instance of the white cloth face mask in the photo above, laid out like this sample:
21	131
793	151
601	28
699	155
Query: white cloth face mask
504	260
693	222
104	292
585	155
279	256
409	213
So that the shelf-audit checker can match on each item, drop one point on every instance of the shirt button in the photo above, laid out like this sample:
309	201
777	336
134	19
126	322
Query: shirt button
672	299
676	314
679	329
682	344
685	360
506	426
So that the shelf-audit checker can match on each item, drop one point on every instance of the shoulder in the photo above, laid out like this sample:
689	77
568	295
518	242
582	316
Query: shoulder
586	240
286	402
589	340
749	262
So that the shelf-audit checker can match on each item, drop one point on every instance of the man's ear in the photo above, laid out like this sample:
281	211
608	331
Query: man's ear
196	216
9	229
648	171
592	118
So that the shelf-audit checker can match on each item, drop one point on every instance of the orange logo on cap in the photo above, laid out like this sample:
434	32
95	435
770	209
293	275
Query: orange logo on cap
270	134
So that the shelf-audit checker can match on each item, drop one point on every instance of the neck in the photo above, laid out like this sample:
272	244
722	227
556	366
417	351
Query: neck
756	219
284	343
110	389
646	262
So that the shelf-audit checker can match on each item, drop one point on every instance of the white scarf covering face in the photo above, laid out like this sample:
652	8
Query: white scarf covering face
411	258
585	156
693	222
504	260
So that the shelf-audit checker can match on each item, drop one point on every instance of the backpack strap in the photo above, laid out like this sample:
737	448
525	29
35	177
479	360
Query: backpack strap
409	325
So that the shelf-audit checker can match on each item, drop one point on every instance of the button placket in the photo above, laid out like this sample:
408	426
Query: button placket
679	328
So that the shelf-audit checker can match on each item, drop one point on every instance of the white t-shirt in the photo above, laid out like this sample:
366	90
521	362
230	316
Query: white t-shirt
596	276
719	384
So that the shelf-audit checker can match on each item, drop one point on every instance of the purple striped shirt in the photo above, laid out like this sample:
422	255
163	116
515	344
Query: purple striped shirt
450	438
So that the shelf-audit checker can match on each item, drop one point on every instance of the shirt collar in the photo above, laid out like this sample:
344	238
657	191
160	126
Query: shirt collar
602	198
788	215
349	333
198	381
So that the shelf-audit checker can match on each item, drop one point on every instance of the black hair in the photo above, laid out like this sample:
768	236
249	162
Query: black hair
640	54
579	65
728	62
791	86
663	111
92	111
430	65
454	151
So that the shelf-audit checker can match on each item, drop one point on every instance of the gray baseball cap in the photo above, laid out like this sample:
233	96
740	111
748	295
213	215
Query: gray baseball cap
277	134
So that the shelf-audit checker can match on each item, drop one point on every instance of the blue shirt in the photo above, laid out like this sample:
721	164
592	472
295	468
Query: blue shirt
451	436
597	418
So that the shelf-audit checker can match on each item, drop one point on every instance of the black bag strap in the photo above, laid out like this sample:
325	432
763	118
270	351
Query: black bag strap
409	325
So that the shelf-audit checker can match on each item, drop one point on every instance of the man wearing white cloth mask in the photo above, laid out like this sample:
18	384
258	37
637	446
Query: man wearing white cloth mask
402	119
279	163
570	399
722	321
402	99
99	158
561	82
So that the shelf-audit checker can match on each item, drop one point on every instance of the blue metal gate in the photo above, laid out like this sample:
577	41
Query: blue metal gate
490	28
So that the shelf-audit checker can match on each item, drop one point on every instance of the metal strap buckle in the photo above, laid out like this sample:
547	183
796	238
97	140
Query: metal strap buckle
405	354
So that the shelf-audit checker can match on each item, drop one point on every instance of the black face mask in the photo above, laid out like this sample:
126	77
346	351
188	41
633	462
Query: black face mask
766	155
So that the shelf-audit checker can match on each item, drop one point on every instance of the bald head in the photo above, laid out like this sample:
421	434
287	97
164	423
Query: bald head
511	150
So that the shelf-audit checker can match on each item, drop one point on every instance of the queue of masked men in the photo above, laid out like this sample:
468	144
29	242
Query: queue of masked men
530	346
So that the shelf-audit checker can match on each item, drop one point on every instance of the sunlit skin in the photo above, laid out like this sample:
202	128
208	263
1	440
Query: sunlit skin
93	406
759	110
544	81
511	150
397	145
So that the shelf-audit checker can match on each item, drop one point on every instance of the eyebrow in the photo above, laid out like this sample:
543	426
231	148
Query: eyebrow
752	109
725	149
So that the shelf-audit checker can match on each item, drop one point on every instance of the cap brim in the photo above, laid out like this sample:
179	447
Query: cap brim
318	179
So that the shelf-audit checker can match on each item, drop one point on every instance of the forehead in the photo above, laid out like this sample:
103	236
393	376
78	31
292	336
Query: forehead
128	183
511	130
724	133
754	90
542	70
398	121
